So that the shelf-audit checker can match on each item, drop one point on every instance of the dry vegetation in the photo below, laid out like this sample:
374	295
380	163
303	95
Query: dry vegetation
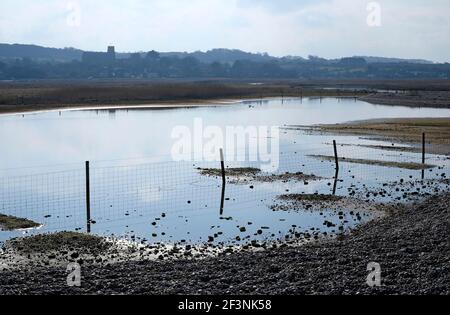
388	85
40	95
16	97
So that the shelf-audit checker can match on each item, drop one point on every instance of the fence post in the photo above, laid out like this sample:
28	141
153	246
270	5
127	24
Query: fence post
423	155
423	148
88	199
336	158
224	181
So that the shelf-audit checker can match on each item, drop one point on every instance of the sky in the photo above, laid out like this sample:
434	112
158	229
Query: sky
326	28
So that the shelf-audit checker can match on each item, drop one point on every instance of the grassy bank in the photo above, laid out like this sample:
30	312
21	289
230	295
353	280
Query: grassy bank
32	96
22	96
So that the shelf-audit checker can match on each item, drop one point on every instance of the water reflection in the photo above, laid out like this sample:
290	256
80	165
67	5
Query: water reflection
134	181
77	136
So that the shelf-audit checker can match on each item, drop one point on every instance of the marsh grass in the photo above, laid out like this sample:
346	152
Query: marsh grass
45	95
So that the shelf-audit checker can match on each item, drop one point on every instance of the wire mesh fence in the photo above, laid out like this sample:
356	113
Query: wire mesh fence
119	194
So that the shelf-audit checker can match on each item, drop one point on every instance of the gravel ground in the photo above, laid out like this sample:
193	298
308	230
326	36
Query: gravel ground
412	245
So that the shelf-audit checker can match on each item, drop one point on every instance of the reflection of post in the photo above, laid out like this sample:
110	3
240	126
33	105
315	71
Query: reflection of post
336	158
222	164
335	181
88	199
423	155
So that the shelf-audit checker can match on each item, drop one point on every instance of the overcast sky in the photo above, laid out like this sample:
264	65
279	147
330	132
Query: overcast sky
327	28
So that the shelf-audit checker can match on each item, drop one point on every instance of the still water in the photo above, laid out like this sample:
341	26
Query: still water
139	192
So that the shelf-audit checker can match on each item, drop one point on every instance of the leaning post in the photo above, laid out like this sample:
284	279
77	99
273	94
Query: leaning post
224	181
336	158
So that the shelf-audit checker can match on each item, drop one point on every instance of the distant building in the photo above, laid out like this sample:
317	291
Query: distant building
101	58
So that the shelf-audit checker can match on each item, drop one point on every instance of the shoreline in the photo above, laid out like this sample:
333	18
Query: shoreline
22	96
374	99
36	96
7	110
411	238
404	130
157	105
154	106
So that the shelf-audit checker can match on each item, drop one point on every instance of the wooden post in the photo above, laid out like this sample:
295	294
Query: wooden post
336	158
423	148
224	181
423	154
88	199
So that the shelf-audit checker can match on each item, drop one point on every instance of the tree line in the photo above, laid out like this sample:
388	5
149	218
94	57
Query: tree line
152	65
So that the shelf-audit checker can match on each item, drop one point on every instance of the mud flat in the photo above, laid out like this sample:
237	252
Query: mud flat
61	248
357	209
393	147
404	165
404	130
57	250
245	175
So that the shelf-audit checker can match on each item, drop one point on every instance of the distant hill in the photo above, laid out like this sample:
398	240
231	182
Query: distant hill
39	53
371	59
221	55
23	62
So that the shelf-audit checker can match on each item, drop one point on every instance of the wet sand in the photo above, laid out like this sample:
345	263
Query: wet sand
403	130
